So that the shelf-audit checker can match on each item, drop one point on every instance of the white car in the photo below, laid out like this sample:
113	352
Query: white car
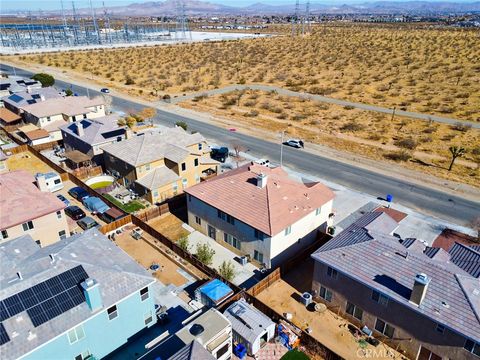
263	162
294	143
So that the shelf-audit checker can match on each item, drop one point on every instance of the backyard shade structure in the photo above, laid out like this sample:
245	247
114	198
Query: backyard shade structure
76	159
250	327
95	205
213	292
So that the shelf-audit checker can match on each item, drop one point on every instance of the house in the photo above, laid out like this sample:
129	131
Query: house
14	84
160	165
260	211
52	114
37	137
250	326
9	120
79	298
211	330
27	210
89	136
192	351
423	301
213	293
16	101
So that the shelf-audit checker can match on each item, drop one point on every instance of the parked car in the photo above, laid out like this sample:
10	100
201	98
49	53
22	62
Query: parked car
219	154
95	205
75	212
105	91
263	162
294	143
78	193
63	199
87	223
111	215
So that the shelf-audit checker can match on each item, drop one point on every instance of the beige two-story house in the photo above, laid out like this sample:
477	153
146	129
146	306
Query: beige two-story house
160	165
27	210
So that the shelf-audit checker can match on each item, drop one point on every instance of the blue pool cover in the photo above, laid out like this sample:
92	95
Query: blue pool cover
215	290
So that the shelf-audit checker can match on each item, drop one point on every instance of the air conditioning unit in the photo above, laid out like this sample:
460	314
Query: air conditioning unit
306	298
243	260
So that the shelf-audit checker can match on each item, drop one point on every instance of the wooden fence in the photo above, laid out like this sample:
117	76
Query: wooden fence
105	229
17	150
83	173
47	146
153	212
265	283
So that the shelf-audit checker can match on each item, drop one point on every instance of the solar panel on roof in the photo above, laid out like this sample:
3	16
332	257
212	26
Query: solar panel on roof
30	102
4	338
47	299
16	98
36	96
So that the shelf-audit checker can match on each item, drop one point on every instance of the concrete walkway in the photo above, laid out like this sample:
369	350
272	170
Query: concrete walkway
286	92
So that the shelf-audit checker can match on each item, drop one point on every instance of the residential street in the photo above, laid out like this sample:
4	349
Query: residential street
420	198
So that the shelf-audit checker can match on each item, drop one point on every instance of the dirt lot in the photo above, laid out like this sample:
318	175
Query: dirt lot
28	162
328	328
170	226
146	255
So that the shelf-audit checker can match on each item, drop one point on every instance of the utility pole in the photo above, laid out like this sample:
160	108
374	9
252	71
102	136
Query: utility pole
281	149
393	113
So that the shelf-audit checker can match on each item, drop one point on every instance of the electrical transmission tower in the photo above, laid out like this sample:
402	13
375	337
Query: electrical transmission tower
295	19
182	28
306	28
108	30
96	29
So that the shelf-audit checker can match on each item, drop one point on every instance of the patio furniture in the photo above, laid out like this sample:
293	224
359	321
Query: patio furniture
137	233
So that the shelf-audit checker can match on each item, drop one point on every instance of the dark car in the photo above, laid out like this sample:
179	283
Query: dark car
63	199
105	90
111	215
78	193
87	223
219	154
75	212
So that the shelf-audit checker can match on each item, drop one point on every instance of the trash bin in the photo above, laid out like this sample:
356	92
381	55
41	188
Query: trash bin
389	197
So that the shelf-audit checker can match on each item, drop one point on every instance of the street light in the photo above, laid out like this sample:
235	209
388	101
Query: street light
281	149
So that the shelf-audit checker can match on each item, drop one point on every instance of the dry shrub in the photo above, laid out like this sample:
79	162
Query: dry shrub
398	156
406	143
352	126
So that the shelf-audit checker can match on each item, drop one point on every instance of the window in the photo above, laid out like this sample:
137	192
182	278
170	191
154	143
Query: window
226	217
229	239
76	334
379	298
326	294
112	312
288	230
384	328
195	162
155	193
147	167
223	350
258	234
84	116
258	256
472	347
147	317
48	118
197	178
440	328
184	183
27	226
59	214
83	356
198	220
318	211
355	311
184	166
57	181
62	235
4	234
332	272
200	146
175	189
144	294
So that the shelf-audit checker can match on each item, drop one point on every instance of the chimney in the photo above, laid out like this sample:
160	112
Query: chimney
128	134
29	89
42	182
80	131
262	180
419	290
42	97
91	290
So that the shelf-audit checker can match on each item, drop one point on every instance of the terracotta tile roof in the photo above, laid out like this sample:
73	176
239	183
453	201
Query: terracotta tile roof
18	189
449	237
282	202
8	116
394	214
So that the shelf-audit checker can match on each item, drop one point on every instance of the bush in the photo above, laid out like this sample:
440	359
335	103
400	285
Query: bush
182	124
129	80
68	92
45	79
205	253
251	113
352	126
398	156
461	127
227	270
183	243
406	143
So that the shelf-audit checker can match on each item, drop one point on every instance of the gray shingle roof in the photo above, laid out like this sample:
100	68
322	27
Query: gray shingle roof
117	273
466	257
380	262
96	131
158	177
247	321
192	351
140	150
26	98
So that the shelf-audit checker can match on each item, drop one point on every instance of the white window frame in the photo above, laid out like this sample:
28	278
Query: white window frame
318	211
382	299
354	312
331	272
64	236
475	347
112	312
198	220
257	255
28	225
148	315
76	334
385	326
325	293
59	214
145	295
288	230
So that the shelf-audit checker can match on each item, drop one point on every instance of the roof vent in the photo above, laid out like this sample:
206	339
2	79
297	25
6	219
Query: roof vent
19	274
419	290
31	336
196	329
52	258
445	305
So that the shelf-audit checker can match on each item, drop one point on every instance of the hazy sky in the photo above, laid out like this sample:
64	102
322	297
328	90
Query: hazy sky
34	5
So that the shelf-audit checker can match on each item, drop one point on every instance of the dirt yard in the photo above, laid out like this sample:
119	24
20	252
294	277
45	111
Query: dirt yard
28	162
328	328
146	255
170	226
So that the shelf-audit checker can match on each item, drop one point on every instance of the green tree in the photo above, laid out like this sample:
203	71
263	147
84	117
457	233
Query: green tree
205	253
68	92
183	243
456	151
45	79
227	270
182	124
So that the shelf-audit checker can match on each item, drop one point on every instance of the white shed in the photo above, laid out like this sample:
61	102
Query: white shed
250	326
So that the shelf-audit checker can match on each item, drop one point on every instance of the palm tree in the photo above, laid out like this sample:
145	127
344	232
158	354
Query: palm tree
457	151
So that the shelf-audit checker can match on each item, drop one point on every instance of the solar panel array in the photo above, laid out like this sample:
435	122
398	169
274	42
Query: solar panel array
47	299
4	338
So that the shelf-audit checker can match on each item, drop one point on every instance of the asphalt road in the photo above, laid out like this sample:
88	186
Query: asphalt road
420	198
